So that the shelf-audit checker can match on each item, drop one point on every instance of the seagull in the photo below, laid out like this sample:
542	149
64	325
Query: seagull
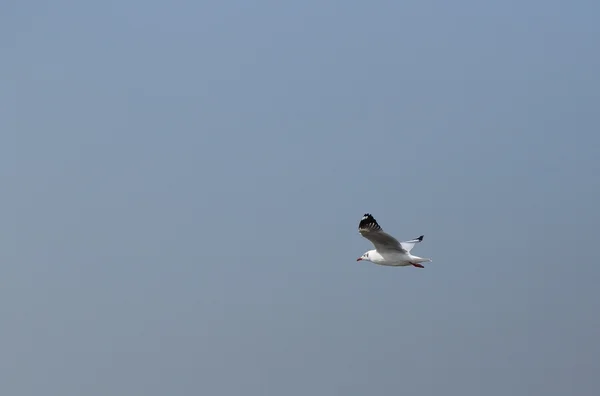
388	250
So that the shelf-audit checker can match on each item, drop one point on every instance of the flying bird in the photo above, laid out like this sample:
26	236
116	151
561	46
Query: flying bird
388	250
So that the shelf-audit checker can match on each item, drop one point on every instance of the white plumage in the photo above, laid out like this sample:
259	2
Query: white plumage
388	250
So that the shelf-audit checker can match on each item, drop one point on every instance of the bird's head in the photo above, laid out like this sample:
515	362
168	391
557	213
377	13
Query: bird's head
364	257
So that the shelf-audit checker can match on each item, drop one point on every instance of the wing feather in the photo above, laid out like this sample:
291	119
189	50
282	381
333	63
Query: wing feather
408	245
371	230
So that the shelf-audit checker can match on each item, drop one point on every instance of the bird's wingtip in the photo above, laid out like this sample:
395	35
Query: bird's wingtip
368	223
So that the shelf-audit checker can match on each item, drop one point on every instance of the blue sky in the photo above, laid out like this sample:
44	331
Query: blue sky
184	180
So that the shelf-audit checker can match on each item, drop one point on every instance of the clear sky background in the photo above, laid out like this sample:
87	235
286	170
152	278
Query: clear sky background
183	181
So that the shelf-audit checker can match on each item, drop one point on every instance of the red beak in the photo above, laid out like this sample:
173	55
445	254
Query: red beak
359	259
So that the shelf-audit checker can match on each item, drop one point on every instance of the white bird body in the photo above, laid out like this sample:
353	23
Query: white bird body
392	259
388	250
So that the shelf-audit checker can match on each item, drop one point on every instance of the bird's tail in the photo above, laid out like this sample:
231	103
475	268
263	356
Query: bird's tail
416	259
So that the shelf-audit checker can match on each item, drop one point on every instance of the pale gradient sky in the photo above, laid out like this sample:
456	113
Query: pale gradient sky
183	182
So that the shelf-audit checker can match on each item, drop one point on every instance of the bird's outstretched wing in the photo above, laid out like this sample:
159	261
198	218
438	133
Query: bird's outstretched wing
408	245
369	229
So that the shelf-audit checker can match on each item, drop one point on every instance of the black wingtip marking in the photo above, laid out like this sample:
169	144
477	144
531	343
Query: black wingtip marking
420	238
368	221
